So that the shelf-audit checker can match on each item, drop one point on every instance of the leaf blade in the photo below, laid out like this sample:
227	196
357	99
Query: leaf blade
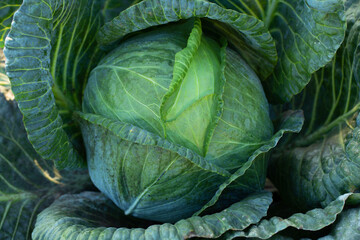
254	207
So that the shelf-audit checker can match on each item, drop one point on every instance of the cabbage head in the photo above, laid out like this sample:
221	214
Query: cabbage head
186	111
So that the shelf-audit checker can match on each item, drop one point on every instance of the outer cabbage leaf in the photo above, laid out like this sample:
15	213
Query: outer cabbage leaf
244	124
50	51
333	95
329	167
7	10
325	170
247	34
27	182
353	39
90	215
149	170
312	220
307	35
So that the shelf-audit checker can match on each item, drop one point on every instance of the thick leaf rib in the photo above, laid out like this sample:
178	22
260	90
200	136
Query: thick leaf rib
28	49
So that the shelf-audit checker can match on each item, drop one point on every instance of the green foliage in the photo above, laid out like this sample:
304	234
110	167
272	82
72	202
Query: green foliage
7	10
206	99
325	155
28	183
314	176
346	226
307	35
56	40
166	102
19	202
164	167
313	220
82	217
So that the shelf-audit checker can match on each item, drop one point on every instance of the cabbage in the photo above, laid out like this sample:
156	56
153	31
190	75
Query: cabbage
178	91
163	119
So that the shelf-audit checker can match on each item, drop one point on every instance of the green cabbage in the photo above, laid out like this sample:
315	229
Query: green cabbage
184	88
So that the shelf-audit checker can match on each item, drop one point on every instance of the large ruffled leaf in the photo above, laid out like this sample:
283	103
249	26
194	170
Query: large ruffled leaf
50	51
307	34
150	170
27	182
325	156
247	34
333	95
7	10
313	220
91	215
314	176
